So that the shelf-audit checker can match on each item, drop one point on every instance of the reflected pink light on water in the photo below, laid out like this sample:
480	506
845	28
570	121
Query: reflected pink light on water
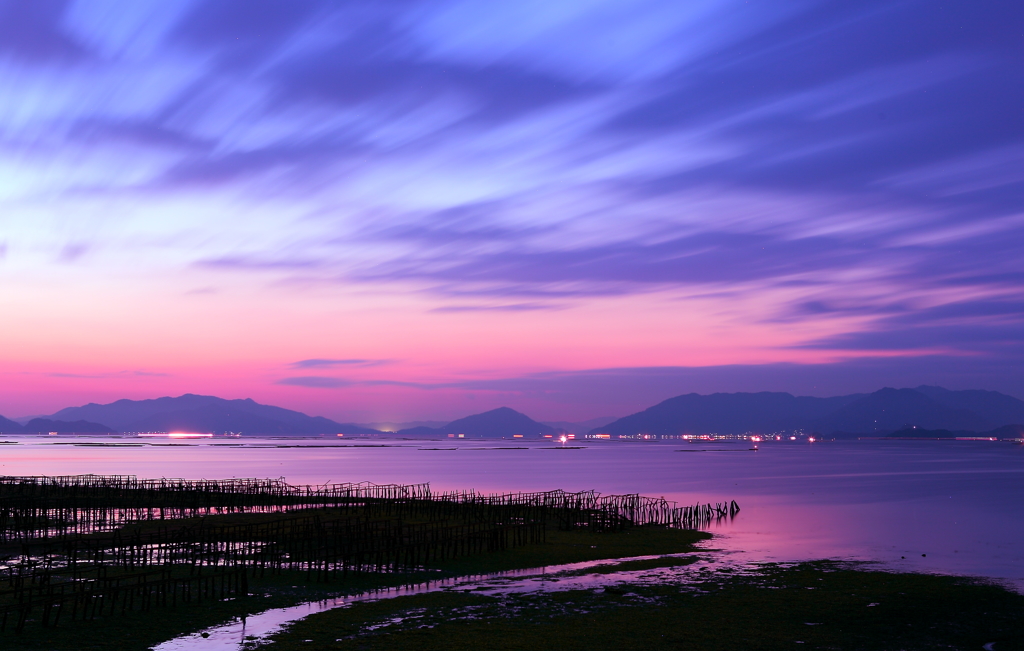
176	435
956	501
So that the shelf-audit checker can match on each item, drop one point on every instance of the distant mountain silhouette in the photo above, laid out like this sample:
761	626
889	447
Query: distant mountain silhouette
1004	432
890	409
987	413
497	423
8	426
1014	431
65	427
726	413
881	412
993	406
196	413
921	433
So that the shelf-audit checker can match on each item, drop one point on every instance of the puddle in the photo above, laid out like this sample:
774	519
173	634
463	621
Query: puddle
243	633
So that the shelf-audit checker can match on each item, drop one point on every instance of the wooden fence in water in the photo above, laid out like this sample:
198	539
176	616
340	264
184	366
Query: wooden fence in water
50	601
90	572
39	506
83	545
34	507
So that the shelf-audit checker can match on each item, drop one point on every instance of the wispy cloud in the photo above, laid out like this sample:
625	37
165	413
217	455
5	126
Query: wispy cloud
512	307
317	382
325	382
107	375
791	165
326	363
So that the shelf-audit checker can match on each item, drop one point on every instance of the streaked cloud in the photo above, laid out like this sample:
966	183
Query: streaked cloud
326	363
314	381
840	178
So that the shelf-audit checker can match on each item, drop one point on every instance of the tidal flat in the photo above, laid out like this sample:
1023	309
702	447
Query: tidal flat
820	605
816	605
133	630
889	503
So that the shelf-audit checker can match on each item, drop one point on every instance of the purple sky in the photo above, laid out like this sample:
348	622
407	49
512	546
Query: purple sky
377	211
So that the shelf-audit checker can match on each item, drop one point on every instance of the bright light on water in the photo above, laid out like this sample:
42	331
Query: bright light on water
177	435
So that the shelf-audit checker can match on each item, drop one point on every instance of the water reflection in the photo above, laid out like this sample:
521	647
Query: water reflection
957	502
586	575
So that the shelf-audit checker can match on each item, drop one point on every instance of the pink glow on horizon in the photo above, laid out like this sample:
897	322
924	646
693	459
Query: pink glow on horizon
235	348
416	362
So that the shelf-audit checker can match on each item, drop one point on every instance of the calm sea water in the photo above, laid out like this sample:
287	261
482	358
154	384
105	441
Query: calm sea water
937	506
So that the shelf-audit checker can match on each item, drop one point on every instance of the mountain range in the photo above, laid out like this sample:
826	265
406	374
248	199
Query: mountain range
187	413
1004	432
927	408
881	412
8	426
66	426
497	423
45	425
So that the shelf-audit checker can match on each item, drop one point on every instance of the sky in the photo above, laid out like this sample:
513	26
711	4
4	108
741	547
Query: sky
386	211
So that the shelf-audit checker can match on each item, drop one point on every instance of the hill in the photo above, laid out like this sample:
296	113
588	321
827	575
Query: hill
40	425
8	426
197	413
921	433
497	423
992	405
726	413
1014	431
1004	432
880	412
889	409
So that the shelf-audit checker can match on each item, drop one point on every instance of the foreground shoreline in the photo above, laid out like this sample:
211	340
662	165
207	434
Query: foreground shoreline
825	604
817	605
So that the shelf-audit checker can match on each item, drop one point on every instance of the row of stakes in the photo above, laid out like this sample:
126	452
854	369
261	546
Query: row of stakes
74	548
